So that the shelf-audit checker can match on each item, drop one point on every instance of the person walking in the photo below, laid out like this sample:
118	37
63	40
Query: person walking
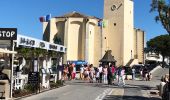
105	74
86	73
119	75
109	75
97	75
74	72
100	73
65	72
144	72
113	73
133	73
123	75
81	72
69	72
91	74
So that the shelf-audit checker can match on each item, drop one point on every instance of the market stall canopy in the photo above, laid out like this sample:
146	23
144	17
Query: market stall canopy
7	51
108	58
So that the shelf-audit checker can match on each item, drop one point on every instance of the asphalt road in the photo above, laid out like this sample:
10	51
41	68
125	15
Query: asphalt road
79	90
75	90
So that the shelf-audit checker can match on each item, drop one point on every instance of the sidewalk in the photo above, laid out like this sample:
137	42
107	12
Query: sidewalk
133	92
138	89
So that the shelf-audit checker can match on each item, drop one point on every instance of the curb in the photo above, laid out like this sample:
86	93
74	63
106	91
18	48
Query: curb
157	67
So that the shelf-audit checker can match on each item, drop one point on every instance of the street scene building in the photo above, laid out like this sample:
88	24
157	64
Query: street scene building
83	35
84	57
79	33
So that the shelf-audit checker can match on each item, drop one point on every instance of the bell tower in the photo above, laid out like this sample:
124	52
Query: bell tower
118	31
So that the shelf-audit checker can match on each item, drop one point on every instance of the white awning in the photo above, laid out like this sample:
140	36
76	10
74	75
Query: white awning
7	51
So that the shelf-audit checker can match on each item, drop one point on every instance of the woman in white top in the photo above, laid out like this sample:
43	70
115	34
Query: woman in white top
123	75
105	74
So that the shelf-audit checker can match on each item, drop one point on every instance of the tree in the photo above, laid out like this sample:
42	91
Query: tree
38	52
163	9
23	52
161	45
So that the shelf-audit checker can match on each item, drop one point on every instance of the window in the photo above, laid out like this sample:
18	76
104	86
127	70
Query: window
61	48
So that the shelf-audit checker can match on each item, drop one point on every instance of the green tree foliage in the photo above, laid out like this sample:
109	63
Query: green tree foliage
38	52
24	52
161	45
163	9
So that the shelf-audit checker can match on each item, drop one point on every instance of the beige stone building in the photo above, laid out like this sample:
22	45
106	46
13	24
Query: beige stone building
79	33
118	33
85	40
139	40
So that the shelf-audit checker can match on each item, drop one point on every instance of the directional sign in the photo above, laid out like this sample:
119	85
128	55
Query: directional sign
8	34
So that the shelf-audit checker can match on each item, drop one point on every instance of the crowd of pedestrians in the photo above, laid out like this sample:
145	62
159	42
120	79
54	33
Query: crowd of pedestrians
106	74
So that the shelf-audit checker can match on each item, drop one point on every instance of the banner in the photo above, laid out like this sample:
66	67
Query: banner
99	23
104	23
48	17
42	19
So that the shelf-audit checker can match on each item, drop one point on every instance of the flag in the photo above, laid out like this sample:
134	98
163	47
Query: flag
99	23
104	23
48	17
42	19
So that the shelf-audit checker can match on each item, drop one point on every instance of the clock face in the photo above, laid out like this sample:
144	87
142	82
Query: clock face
113	7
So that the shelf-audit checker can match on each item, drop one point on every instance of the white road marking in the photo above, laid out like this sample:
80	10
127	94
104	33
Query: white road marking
106	92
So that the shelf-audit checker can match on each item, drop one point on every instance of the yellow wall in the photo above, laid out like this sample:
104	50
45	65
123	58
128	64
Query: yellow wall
139	44
113	35
119	31
128	31
76	33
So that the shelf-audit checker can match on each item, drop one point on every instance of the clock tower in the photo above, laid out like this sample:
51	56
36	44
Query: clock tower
118	31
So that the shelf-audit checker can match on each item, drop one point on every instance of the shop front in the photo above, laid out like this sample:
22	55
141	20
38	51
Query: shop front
37	56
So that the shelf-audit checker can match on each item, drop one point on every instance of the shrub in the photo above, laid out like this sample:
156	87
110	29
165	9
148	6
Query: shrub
31	87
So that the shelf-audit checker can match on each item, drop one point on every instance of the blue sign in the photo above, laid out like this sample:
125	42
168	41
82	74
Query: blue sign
78	62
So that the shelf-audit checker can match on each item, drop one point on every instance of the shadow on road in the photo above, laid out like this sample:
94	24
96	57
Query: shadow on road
142	87
101	85
117	97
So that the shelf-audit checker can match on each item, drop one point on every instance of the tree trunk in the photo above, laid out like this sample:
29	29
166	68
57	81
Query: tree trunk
163	61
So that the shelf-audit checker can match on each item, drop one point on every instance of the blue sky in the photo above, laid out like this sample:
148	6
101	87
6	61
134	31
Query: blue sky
24	14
